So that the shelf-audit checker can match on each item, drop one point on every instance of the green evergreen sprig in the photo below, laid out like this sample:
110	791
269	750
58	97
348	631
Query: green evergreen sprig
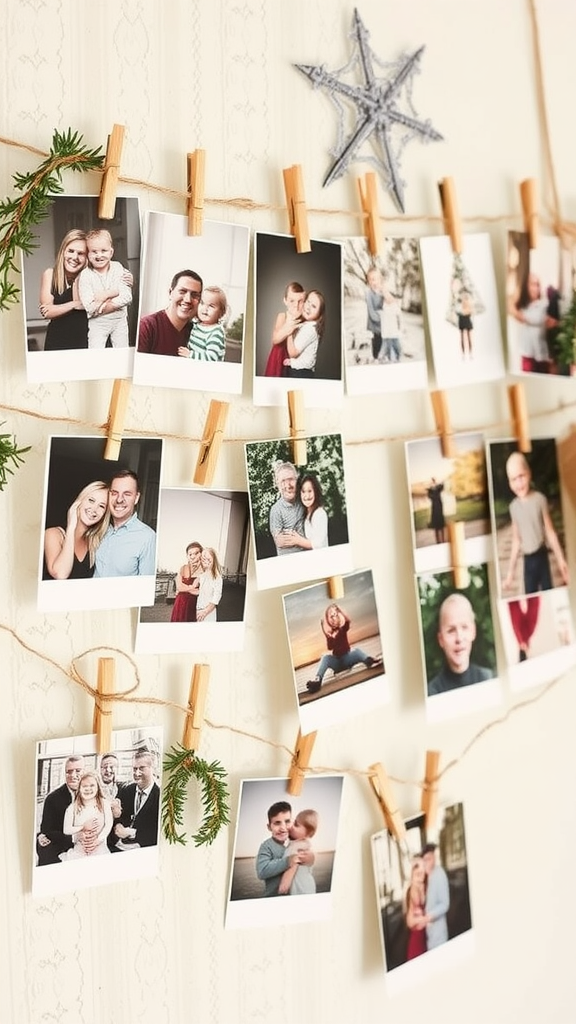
565	341
180	765
20	214
9	453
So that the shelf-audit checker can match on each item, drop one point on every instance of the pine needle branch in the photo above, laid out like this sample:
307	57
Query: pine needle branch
20	214
180	765
9	453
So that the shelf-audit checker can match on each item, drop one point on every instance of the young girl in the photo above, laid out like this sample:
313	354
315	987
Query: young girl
208	338
303	346
335	625
90	814
298	879
415	910
210	586
285	325
316	518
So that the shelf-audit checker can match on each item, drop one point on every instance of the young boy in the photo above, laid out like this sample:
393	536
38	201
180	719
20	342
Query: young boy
532	530
104	294
207	339
456	635
273	859
298	880
285	326
390	328
374	303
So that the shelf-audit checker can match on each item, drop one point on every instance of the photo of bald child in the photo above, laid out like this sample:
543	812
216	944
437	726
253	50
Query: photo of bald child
457	631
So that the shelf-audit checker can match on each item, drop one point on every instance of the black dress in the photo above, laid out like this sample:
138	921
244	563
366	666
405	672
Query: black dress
69	330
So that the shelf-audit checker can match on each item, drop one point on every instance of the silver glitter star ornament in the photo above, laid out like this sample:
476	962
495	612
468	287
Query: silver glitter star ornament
382	110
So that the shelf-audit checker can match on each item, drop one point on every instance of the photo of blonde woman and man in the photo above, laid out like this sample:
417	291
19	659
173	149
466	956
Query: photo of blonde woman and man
383	319
539	290
284	846
336	651
447	490
193	305
98	548
89	806
422	897
80	291
298	315
463	311
203	545
298	513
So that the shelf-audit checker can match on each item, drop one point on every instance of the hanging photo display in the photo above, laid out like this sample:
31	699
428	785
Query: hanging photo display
193	305
463	311
98	546
384	336
199	605
298	321
97	816
423	898
336	651
284	852
80	291
298	512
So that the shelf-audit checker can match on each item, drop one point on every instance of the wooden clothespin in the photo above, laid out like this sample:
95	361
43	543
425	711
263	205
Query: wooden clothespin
529	200
300	762
383	789
297	430
442	420
336	588
102	721
296	203
196	704
451	213
211	442
369	204
519	416
109	186
196	166
116	417
457	541
429	804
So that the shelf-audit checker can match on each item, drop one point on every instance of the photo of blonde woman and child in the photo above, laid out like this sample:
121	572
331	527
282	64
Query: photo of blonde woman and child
298	316
383	320
193	305
89	806
81	284
285	846
422	896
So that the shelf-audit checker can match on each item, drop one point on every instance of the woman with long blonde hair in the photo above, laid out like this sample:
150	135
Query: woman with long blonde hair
59	300
69	554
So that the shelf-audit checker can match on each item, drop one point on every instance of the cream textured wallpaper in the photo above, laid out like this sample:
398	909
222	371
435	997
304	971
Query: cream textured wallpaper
186	73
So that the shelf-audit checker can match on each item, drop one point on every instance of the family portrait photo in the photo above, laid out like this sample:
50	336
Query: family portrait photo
538	636
193	305
298	513
298	321
81	291
422	896
336	651
384	336
89	806
462	310
203	545
528	523
98	546
447	490
284	848
458	642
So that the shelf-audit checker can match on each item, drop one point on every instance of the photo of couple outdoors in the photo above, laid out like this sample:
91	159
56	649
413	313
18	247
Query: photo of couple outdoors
422	887
297	509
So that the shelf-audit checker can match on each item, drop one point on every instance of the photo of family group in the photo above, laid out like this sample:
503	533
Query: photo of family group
539	285
448	490
458	646
81	291
383	320
98	547
538	637
284	847
193	305
422	897
528	523
203	545
298	513
336	651
463	311
89	806
298	321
